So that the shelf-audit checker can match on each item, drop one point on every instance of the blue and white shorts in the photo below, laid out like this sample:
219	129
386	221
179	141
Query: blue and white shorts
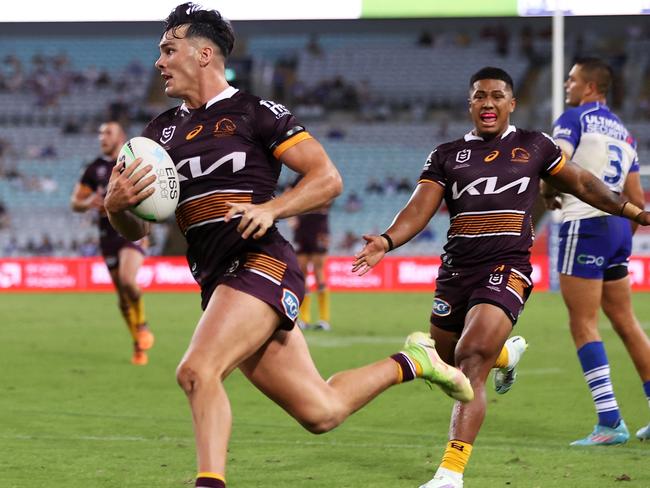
597	248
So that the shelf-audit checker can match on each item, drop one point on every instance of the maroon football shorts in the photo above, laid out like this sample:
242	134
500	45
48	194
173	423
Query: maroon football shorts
111	245
312	234
269	271
505	286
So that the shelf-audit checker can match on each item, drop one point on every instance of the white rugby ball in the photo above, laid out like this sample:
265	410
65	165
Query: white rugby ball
162	203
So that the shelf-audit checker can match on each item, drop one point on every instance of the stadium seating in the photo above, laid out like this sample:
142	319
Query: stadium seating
397	70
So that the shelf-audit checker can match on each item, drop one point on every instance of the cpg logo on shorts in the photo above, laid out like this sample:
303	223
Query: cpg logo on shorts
590	260
441	308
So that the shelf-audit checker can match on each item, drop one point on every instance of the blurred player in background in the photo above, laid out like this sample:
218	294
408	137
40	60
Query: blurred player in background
489	180
595	247
311	239
229	148
123	258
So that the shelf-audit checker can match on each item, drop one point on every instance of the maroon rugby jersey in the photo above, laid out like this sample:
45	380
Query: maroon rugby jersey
490	189
96	177
228	150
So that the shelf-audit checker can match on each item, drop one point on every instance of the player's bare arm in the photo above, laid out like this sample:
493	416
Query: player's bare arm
633	192
321	183
408	223
584	185
125	190
84	198
551	196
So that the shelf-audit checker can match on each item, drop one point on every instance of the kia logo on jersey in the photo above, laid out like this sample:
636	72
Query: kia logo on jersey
489	184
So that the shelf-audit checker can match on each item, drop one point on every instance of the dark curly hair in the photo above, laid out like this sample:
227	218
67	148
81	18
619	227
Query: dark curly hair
202	23
492	73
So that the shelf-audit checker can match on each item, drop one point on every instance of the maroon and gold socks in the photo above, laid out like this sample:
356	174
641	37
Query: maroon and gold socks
210	480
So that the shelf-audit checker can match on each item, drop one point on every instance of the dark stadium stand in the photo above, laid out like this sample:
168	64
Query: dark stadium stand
378	102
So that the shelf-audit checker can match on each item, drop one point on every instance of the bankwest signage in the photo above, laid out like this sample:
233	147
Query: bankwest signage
172	274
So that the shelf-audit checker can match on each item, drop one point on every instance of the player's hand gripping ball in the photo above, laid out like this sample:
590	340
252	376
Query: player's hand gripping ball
162	203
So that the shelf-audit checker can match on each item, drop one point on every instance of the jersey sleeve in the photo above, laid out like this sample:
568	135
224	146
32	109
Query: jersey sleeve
567	127
88	178
433	171
278	128
553	159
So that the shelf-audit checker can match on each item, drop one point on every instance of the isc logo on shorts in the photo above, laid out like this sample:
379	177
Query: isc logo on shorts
441	308
290	303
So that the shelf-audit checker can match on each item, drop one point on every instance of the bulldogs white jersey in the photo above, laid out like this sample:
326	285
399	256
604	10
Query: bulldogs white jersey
597	140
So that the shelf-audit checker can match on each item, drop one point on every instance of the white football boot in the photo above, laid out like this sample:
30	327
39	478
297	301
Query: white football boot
643	434
504	378
322	325
445	478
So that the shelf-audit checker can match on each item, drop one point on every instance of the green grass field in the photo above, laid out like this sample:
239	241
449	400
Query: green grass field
75	413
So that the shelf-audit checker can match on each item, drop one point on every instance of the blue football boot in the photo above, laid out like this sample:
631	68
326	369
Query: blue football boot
605	436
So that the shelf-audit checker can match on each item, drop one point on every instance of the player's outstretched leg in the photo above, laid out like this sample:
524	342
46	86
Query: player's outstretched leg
505	377
421	349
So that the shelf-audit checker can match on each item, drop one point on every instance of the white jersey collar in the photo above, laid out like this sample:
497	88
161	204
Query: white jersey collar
227	93
470	136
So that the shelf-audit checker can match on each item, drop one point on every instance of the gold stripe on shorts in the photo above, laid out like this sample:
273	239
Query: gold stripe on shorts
266	264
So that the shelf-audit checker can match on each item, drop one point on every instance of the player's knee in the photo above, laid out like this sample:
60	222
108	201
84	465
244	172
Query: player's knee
320	425
322	420
190	378
192	374
472	360
131	289
627	328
